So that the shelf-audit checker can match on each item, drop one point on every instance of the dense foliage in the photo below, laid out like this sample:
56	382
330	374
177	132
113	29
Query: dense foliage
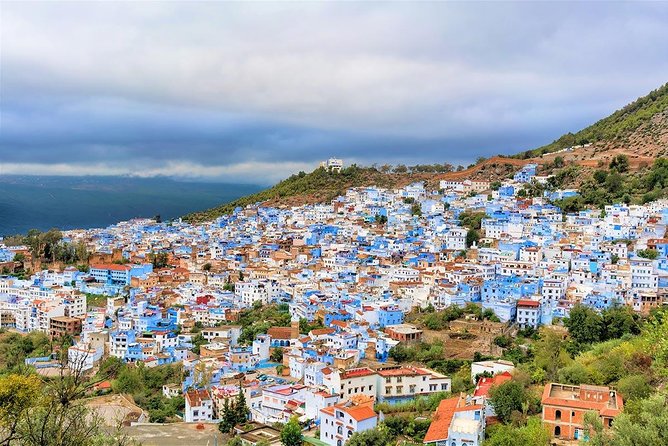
605	186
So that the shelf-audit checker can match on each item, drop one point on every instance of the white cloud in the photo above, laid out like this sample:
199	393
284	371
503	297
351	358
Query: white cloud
249	172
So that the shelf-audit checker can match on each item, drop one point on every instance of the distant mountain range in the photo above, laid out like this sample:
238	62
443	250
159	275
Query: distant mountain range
639	131
43	202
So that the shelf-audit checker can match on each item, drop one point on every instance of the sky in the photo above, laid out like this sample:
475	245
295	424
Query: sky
255	91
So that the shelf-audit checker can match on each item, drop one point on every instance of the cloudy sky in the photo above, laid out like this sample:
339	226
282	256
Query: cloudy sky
254	91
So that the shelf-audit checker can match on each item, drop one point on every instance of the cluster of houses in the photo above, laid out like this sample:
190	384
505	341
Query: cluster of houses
340	267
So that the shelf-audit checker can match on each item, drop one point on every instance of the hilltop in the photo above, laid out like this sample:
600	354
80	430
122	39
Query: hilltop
323	185
638	132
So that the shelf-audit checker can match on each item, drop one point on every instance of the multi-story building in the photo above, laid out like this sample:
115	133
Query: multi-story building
339	422
405	383
564	407
199	406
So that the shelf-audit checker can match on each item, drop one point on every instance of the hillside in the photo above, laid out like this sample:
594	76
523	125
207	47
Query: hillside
322	185
639	129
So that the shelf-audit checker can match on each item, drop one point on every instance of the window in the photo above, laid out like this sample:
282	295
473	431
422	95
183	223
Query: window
557	415
557	431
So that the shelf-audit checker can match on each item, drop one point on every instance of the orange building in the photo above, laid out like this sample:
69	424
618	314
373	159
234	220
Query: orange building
564	407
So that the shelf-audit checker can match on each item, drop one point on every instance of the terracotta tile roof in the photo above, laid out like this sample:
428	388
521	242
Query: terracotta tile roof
280	332
361	413
111	266
485	384
356	373
195	397
357	413
528	303
440	424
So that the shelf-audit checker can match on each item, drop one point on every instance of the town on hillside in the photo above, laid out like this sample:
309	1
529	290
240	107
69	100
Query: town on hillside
445	317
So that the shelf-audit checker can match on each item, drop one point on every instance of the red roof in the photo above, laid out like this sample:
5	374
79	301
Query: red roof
440	422
357	413
356	373
111	266
485	384
195	397
528	303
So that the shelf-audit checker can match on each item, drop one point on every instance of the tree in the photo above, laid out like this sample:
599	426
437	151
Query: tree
416	209
235	441
277	355
507	398
18	394
620	163
472	237
291	434
634	387
378	436
584	325
651	254
549	353
227	418
206	267
158	260
619	320
647	427
533	434
559	162
240	407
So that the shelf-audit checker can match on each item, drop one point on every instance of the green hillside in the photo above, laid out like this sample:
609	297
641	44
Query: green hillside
319	185
618	125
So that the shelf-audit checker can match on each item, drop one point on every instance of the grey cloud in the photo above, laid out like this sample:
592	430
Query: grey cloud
216	83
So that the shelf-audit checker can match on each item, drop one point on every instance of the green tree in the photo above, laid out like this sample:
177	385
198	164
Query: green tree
619	320
291	434
472	236
620	163
584	325
378	436
647	427
507	398
240	407
549	353
277	355
651	254
532	434
227	417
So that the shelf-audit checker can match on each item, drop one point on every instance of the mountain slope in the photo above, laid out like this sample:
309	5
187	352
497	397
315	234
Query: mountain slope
640	128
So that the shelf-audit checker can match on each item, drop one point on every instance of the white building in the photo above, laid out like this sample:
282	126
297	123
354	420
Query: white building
199	406
351	382
339	422
492	367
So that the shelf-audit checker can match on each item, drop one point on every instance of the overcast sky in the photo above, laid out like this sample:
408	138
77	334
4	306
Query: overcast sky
256	91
